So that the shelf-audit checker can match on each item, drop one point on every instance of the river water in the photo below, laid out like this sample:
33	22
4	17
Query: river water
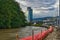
10	34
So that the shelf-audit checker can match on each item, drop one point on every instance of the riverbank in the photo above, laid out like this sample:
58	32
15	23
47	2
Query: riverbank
55	35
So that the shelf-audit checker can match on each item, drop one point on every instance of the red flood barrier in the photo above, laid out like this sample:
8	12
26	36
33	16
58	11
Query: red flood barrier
39	36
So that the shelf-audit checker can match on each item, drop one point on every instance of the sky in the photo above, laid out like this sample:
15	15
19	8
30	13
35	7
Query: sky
41	8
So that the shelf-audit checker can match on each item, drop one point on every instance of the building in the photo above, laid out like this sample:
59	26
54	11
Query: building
30	14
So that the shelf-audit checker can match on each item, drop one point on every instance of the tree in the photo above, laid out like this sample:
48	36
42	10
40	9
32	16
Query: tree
11	14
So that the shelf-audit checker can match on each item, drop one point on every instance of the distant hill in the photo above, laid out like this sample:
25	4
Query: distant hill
43	18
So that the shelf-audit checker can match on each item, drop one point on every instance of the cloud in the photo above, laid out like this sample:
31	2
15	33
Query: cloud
56	5
42	8
46	14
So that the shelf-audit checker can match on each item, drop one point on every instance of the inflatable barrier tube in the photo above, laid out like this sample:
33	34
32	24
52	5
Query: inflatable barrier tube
50	29
39	36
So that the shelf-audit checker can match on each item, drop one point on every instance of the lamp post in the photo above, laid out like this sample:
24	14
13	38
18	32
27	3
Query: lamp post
58	18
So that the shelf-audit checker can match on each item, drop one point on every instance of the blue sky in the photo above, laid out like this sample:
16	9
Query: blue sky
41	8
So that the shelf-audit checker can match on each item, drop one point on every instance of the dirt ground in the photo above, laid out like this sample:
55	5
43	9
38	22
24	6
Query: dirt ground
55	35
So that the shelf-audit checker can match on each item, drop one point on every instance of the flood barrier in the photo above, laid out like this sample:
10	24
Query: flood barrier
39	36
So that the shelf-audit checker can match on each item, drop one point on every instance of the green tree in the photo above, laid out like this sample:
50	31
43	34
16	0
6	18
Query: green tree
11	15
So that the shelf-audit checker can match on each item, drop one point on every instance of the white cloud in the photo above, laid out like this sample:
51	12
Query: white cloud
36	11
56	4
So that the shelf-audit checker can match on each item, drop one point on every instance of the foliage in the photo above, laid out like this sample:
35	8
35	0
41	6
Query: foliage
11	14
38	24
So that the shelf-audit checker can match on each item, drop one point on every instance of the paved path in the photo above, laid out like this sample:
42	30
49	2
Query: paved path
55	35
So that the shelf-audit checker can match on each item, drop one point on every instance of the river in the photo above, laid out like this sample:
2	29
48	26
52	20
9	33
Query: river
10	34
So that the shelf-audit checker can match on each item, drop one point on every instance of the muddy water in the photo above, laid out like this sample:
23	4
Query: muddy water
10	34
